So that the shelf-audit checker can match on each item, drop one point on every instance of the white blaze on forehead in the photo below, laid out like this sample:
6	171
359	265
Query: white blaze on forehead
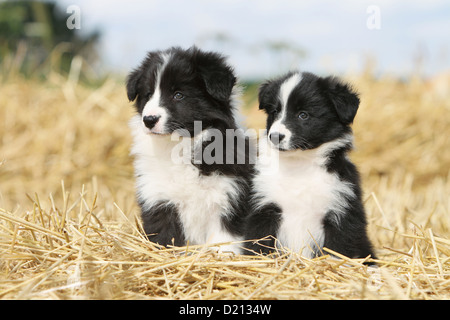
153	107
279	126
286	89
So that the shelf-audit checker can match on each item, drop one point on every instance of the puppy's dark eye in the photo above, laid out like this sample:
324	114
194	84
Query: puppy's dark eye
303	115
178	96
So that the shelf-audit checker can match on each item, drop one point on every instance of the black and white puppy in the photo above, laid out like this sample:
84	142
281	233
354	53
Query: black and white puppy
307	193
193	201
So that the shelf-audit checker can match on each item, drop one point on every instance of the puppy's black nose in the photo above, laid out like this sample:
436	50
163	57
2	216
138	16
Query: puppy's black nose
276	137
150	121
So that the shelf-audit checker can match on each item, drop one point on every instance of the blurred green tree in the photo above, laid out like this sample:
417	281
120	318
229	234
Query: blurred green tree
35	35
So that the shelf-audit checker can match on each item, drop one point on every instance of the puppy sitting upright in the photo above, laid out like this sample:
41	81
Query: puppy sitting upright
307	193
195	201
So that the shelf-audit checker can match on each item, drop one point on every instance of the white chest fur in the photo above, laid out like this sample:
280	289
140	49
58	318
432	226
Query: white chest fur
300	184
201	200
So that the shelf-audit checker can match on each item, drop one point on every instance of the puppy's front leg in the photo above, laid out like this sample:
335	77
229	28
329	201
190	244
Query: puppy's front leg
162	224
262	227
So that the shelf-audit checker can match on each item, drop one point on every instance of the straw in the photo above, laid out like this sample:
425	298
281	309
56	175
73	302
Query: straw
69	222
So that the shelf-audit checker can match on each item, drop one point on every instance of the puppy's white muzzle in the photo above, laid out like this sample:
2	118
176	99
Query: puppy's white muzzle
154	117
279	136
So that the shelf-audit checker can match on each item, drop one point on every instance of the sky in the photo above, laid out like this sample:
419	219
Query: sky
322	36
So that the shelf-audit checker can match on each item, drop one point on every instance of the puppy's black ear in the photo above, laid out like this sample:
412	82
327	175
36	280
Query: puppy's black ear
132	83
343	97
267	95
218	77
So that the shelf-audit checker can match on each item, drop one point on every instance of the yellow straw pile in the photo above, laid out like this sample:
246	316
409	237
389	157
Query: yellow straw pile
70	228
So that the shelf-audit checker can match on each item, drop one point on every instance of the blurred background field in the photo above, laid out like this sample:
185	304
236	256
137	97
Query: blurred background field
69	224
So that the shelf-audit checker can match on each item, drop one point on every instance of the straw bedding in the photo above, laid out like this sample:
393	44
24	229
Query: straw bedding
70	228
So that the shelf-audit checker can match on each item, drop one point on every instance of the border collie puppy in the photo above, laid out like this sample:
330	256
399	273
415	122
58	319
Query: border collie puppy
307	193
194	201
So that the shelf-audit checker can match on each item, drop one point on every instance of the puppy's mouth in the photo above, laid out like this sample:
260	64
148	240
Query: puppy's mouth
284	147
279	146
154	131
294	148
158	133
